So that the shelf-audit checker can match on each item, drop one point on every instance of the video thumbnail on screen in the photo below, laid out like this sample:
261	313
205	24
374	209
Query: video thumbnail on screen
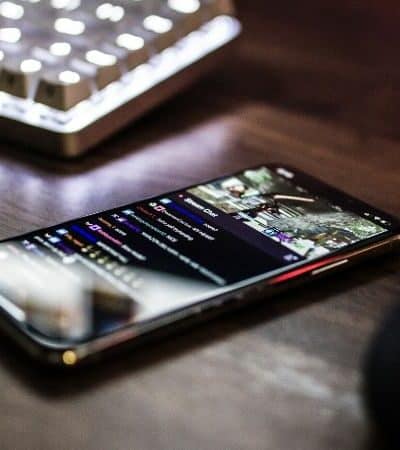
288	214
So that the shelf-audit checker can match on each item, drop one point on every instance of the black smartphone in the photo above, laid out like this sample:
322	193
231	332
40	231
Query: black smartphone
75	291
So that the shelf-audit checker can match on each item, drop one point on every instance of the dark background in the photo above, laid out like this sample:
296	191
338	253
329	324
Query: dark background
313	85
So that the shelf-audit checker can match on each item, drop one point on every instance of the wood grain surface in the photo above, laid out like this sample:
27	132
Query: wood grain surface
313	84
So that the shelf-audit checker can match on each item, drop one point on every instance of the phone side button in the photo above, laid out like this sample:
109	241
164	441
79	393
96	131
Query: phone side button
329	267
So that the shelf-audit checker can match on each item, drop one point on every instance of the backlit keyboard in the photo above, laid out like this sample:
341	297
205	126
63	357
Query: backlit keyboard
72	72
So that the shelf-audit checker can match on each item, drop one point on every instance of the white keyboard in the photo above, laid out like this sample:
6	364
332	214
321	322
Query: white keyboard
72	72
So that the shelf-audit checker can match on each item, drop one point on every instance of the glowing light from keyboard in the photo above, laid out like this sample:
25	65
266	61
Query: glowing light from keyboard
104	11
60	48
107	11
117	14
11	10
130	41
69	77
184	6
134	83
10	35
69	26
30	66
100	58
157	24
68	5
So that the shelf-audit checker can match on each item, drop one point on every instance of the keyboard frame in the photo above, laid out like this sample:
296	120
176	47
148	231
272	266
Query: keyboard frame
94	124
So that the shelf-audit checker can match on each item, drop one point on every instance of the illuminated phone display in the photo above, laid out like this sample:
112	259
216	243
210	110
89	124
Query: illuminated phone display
95	275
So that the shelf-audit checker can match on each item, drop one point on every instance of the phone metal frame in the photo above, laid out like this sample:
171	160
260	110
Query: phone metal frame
266	285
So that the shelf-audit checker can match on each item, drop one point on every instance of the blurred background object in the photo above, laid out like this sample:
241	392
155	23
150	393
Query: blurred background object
72	73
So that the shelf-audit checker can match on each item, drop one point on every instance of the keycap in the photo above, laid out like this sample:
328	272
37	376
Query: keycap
161	30
19	77
103	66
189	14
136	49
63	89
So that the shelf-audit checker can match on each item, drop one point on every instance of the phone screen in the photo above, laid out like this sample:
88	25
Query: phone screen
92	276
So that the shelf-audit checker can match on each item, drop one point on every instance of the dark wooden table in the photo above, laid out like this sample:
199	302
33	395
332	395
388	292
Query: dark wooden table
316	85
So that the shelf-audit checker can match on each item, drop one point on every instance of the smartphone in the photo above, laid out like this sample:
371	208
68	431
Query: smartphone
76	291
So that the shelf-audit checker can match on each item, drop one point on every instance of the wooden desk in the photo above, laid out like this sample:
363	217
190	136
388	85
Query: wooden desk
313	86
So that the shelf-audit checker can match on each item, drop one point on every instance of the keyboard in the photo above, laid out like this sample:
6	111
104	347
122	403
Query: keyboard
73	72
